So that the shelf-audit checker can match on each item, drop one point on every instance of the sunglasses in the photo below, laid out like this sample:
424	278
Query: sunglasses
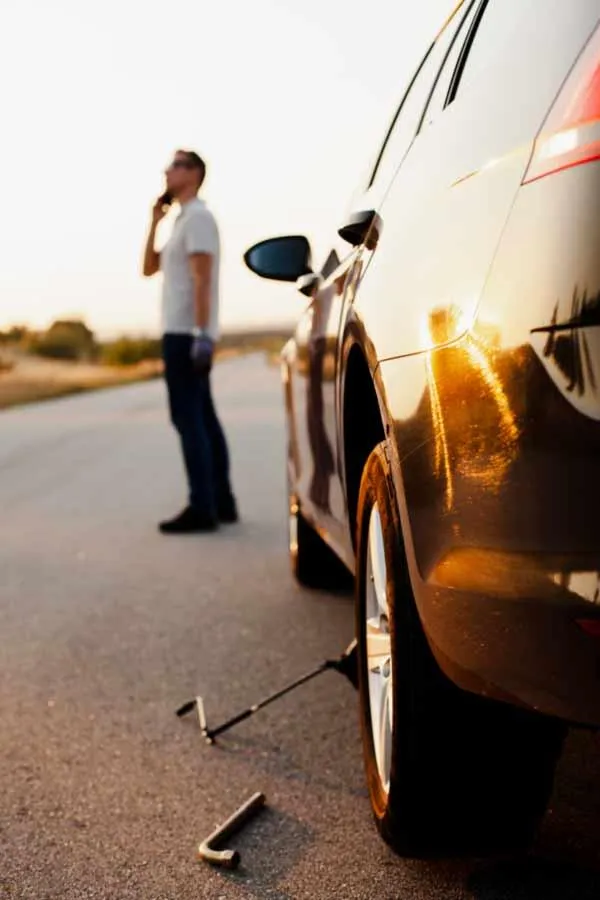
181	164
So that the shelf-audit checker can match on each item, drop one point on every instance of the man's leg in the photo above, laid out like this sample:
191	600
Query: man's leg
187	390
226	506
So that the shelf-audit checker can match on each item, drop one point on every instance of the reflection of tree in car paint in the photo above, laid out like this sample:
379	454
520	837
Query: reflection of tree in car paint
321	368
568	344
322	454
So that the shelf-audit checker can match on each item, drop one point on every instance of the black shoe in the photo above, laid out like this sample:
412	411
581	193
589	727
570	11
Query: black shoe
227	512
189	522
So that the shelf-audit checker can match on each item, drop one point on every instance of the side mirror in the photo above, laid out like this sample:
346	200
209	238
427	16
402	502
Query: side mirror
280	258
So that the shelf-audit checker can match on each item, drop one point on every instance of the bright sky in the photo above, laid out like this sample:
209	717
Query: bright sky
286	99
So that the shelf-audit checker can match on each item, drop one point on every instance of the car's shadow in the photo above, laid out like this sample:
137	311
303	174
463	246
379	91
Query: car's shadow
564	864
535	878
286	841
566	860
272	760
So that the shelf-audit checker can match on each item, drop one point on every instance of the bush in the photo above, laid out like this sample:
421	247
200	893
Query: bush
17	334
66	340
130	351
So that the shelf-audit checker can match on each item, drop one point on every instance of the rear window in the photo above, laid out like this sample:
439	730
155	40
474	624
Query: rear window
518	47
408	117
500	30
441	92
405	122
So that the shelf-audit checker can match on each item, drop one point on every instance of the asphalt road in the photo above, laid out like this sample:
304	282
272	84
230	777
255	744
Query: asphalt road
106	627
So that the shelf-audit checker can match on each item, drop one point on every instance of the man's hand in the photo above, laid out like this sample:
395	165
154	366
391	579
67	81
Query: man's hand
159	211
203	349
151	264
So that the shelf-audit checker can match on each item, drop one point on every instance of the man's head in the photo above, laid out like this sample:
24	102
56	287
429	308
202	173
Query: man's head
185	174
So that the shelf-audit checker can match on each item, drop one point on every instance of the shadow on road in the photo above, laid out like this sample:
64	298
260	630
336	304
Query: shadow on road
270	848
272	760
534	879
564	864
566	861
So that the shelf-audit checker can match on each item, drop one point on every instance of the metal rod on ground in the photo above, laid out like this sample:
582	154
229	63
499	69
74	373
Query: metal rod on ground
211	734
345	665
209	848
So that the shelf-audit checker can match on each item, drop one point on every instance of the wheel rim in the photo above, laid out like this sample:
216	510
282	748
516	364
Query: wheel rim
379	650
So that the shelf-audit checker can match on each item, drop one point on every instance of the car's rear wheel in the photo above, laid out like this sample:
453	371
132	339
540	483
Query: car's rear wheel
448	772
313	562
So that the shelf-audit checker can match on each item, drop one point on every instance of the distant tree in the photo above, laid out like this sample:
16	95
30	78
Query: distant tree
130	351
66	339
16	334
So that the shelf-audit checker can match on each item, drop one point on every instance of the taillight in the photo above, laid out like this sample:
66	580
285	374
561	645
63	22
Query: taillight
570	135
590	626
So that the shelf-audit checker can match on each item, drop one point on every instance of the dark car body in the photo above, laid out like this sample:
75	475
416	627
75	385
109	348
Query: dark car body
458	319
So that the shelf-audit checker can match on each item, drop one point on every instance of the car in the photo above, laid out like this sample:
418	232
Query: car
442	395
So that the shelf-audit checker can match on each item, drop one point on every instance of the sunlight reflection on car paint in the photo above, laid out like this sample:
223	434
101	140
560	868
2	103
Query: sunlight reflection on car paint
473	462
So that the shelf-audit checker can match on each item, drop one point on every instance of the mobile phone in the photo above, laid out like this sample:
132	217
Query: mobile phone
165	199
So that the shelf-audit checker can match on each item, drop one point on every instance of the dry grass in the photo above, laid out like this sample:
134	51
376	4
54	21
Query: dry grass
30	379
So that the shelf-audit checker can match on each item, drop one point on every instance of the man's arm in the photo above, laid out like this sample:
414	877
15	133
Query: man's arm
201	269
151	263
151	257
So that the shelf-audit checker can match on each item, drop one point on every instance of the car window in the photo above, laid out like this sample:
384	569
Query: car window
513	47
441	91
497	27
406	121
512	61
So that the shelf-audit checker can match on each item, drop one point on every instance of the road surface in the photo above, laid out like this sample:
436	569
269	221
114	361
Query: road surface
106	627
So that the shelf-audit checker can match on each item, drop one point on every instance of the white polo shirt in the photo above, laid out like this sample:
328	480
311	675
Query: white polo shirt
194	231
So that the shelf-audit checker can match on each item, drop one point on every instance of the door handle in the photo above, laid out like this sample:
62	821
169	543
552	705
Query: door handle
362	225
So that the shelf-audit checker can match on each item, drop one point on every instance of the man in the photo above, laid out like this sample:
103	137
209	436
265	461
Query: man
190	309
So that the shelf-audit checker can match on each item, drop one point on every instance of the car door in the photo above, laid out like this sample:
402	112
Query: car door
315	382
314	373
311	390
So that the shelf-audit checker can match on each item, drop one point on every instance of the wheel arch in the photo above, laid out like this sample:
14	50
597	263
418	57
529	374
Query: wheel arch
363	424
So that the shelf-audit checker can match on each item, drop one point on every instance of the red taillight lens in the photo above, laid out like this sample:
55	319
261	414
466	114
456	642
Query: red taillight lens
570	135
590	626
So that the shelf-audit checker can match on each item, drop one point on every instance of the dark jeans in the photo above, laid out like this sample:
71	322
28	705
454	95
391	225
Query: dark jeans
202	439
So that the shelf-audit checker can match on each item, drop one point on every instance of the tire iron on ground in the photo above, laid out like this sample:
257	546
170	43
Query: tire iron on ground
229	859
345	664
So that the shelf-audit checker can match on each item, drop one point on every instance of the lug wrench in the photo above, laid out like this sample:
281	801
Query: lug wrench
229	859
346	665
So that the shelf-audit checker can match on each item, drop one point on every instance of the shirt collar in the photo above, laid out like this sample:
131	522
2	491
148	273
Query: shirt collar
190	204
195	201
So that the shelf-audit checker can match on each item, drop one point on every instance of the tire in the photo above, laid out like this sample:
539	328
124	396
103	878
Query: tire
314	564
448	773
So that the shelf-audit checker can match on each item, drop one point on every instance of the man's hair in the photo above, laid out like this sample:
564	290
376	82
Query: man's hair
195	162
